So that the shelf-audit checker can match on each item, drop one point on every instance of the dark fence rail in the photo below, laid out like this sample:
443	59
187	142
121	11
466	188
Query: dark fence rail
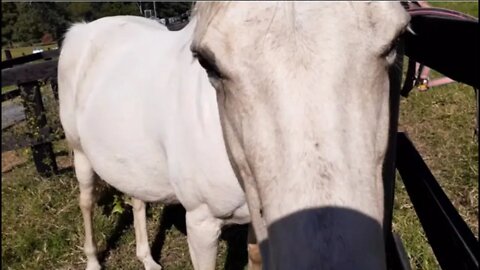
46	55
28	73
10	94
452	241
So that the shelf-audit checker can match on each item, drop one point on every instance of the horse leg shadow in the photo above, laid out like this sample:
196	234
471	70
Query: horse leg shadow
235	235
237	254
172	215
125	221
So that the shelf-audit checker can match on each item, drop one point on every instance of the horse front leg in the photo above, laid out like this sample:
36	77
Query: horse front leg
86	180
203	230
141	235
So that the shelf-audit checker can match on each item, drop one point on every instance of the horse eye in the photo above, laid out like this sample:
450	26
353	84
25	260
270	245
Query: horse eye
211	68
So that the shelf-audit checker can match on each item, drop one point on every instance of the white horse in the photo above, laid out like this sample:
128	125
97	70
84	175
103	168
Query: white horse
304	102
139	112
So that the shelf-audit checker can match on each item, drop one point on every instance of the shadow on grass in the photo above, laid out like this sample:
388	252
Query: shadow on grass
237	255
235	235
125	220
172	215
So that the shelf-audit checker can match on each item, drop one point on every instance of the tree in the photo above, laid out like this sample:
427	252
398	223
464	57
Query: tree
30	21
80	11
116	8
38	18
9	17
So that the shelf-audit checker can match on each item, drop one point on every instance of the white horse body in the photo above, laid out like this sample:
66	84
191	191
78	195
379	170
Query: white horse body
139	109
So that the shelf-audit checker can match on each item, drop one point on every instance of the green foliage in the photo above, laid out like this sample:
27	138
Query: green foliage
104	9
9	17
80	11
37	18
118	205
27	22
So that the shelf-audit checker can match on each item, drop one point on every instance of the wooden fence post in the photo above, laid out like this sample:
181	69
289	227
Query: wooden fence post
8	54
54	85
43	155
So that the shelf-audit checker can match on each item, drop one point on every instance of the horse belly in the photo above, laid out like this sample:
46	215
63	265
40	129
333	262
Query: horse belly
135	177
145	184
123	153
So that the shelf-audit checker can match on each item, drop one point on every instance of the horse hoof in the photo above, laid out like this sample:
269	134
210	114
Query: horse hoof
93	265
152	266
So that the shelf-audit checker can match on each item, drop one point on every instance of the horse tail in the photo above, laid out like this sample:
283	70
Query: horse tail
73	55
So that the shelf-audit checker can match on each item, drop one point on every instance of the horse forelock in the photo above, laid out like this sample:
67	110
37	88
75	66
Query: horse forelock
204	12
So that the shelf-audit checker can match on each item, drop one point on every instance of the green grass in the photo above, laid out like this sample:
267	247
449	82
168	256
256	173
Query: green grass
470	7
441	124
42	226
39	236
